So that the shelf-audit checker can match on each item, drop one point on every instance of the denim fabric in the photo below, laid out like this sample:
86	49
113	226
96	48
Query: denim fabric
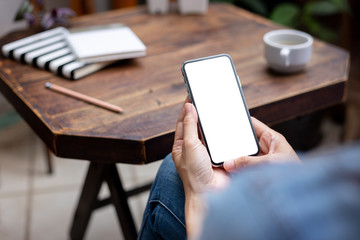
317	200
164	216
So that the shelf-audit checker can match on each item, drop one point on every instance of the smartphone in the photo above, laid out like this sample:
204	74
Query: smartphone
215	90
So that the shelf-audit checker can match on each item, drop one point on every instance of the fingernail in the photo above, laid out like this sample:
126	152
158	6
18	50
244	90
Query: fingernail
187	107
229	165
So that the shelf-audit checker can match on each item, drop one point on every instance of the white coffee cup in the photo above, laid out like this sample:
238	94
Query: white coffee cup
158	6
193	6
287	51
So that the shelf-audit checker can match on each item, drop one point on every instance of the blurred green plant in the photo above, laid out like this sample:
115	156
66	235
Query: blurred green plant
307	16
257	6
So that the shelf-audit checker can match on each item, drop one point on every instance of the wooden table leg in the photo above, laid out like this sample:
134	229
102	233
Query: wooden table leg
119	199
88	202
48	160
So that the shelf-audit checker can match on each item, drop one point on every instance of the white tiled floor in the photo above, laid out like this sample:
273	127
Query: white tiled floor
35	205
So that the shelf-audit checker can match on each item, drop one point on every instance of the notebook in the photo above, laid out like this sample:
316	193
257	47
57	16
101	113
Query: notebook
105	43
50	50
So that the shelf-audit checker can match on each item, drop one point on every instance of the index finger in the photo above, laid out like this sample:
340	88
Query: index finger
190	127
260	128
179	125
182	113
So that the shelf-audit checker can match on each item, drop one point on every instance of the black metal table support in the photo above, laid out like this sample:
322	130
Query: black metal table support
88	202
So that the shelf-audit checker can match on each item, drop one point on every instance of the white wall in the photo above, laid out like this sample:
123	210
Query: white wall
7	13
8	9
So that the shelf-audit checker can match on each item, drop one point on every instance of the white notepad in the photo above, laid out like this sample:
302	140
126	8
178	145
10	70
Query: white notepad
105	43
50	49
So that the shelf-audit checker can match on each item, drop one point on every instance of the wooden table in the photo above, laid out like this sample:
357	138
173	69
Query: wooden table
151	90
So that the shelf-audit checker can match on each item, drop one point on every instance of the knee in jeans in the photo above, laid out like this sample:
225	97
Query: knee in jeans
165	223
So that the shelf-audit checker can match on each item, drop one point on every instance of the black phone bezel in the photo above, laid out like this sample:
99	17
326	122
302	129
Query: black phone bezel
194	102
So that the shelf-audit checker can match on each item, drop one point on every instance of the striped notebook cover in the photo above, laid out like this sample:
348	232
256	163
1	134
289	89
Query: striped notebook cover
49	50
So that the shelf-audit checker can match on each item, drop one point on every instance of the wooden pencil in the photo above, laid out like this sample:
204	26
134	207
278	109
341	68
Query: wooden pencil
83	97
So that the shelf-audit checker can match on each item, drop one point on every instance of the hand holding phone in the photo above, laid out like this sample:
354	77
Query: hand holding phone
215	91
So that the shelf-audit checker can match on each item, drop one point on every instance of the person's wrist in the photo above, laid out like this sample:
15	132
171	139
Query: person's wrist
194	213
194	189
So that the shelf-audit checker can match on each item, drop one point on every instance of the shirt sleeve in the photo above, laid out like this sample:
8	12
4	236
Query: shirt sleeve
316	200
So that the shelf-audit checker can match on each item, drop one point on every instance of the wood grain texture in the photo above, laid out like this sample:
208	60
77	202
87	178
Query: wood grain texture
151	89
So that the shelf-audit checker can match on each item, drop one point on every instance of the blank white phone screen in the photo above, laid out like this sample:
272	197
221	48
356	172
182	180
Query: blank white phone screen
222	112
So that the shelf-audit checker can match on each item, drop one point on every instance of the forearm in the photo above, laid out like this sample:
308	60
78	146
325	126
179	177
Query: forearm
194	214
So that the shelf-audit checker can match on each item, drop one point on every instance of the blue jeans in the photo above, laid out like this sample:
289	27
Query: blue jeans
316	200
164	216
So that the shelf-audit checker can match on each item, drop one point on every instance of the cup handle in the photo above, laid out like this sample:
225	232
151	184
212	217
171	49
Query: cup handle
285	53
